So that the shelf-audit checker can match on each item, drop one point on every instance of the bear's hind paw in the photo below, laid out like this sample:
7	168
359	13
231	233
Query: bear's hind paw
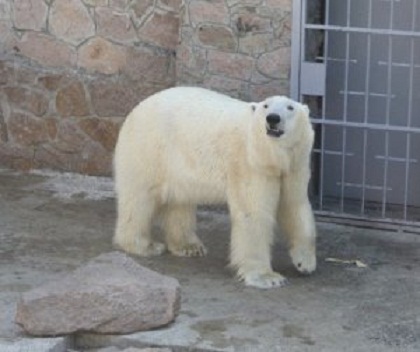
266	279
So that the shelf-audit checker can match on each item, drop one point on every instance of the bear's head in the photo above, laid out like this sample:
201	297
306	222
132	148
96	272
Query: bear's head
280	116
280	134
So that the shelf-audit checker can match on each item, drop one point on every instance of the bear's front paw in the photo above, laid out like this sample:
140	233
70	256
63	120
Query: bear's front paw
304	259
264	279
150	250
189	250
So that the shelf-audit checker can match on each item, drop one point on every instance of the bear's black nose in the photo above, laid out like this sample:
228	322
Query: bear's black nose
273	119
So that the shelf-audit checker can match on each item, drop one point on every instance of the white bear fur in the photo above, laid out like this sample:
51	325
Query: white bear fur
186	146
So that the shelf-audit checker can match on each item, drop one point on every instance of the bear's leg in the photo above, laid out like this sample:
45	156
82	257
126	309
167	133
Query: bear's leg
297	221
179	222
252	212
133	230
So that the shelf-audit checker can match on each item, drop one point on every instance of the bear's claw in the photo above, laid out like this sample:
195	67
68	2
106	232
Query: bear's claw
189	250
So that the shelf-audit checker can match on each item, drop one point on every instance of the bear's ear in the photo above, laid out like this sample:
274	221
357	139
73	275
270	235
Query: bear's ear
253	106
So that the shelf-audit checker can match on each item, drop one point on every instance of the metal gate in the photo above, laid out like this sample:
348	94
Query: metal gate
356	63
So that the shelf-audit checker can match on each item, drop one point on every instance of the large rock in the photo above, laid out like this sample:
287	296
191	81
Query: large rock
111	294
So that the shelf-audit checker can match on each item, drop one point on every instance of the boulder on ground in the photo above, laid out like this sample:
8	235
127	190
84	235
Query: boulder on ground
111	294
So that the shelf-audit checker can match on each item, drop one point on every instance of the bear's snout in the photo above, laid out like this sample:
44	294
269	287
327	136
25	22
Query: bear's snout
273	125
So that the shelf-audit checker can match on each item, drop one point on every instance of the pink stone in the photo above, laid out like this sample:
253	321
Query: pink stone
275	64
147	65
172	5
71	100
103	131
5	9
46	50
219	37
26	99
208	11
70	21
275	87
231	65
95	3
100	55
30	14
161	30
285	5
114	25
27	130
255	44
223	84
111	294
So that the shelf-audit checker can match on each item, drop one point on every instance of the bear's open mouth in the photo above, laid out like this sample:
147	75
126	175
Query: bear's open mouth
274	130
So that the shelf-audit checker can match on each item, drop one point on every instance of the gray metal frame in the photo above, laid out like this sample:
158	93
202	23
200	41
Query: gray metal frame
309	78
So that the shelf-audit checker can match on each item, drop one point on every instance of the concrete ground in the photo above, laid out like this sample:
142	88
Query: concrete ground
52	223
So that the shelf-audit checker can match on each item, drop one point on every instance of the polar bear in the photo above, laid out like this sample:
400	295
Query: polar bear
186	146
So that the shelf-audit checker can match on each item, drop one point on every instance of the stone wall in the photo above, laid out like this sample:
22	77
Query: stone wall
240	47
70	70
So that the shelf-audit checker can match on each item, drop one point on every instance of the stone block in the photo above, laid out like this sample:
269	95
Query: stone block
56	344
70	21
148	65
111	294
52	81
140	10
217	37
105	132
16	157
102	56
113	99
161	29
27	130
115	25
95	3
5	9
27	99
70	138
256	44
172	5
230	65
214	11
46	50
71	100
30	14
276	87
275	64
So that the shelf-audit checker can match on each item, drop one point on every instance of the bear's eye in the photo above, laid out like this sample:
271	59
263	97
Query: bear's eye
265	106
290	108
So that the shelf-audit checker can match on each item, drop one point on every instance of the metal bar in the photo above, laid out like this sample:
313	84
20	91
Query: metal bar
296	49
365	131
388	111
349	29
324	107
390	158
380	95
372	223
398	64
330	152
410	107
345	103
358	185
369	126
